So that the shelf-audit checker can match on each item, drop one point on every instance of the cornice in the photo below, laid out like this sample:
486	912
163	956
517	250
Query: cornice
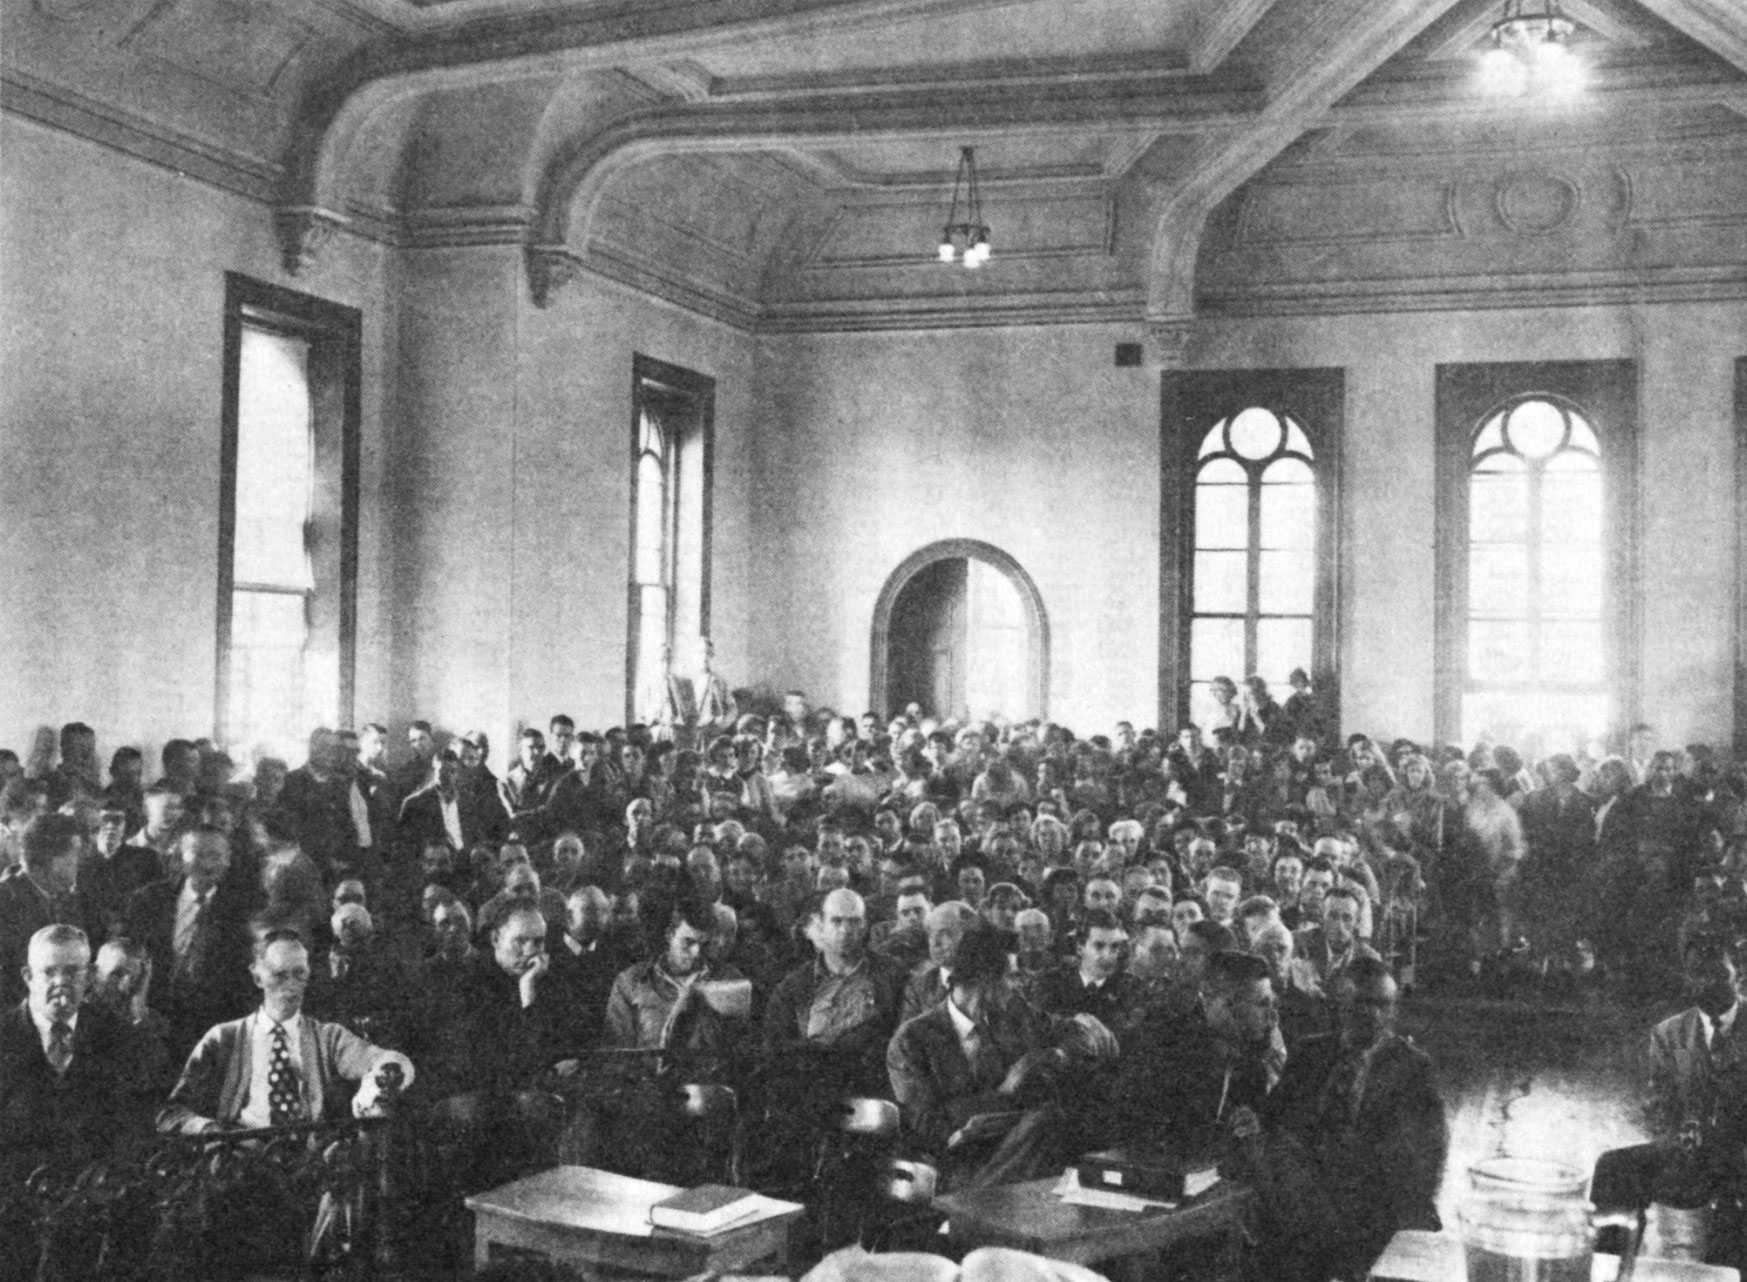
1478	293
134	135
1083	307
459	226
967	77
731	309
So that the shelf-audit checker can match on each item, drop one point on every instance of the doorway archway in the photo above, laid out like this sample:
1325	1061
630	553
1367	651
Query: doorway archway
960	626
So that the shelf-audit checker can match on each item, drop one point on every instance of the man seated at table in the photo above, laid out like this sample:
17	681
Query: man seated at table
277	1066
1185	1075
1696	1097
1350	1147
983	1081
1095	983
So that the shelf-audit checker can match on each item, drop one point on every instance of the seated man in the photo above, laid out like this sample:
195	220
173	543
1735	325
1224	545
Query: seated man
70	1080
276	1066
1096	984
665	1003
1350	1147
946	924
842	1006
1695	1104
904	938
977	1076
358	984
1334	944
1185	1075
1303	1007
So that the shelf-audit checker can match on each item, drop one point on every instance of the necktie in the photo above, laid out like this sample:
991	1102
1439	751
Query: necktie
186	925
1343	1089
60	1047
284	1099
985	1062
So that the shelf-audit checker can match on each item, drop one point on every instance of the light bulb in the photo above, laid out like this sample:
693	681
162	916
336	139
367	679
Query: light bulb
1559	71
1502	72
946	251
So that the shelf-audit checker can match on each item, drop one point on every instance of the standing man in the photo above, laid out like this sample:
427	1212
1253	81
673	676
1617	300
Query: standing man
45	894
192	927
527	787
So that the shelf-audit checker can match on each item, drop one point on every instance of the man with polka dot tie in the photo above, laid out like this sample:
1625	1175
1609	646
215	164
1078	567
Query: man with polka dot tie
277	1066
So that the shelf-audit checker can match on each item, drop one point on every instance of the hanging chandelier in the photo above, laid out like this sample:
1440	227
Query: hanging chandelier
1530	51
965	240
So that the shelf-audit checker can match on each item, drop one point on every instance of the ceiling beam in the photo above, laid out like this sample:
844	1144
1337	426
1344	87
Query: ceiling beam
1718	25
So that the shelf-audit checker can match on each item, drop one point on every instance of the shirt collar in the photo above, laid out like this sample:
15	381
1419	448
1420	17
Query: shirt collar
44	1023
293	1026
962	1024
1719	1027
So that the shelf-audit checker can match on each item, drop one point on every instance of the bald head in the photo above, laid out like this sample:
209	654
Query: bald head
839	930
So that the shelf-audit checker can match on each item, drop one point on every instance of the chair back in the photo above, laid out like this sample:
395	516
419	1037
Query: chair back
867	1115
913	1183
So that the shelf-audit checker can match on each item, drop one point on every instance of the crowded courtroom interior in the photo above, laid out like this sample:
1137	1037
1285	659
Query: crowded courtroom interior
873	639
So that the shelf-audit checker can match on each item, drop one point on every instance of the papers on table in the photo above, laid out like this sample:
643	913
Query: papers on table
1071	1191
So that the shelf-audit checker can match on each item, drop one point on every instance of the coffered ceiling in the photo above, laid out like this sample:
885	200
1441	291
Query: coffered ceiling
786	163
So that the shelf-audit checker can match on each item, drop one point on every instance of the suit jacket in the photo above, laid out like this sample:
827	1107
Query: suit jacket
1687	1080
421	821
925	990
1116	1004
859	1053
212	982
1378	1159
322	812
214	1086
1178	1081
73	1118
1560	836
936	1087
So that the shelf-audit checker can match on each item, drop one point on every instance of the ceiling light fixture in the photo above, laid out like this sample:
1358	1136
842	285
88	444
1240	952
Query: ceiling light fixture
1530	53
966	240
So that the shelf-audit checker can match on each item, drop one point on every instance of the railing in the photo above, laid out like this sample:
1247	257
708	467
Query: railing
314	1197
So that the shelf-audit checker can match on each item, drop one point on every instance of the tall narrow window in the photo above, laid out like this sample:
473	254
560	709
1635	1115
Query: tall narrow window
1255	553
1251	491
670	517
1535	522
288	539
1536	641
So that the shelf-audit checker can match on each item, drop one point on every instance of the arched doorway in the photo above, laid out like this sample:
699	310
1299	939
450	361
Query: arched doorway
960	629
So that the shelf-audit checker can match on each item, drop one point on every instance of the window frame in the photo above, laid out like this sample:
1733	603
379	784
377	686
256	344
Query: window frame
1468	396
655	380
1192	403
334	333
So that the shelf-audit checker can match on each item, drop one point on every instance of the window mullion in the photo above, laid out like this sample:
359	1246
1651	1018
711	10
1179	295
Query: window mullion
1253	573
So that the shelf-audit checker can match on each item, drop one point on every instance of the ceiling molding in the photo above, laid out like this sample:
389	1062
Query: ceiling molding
133	135
1480	293
1437	96
685	291
1232	20
685	80
1718	25
1071	307
572	184
962	77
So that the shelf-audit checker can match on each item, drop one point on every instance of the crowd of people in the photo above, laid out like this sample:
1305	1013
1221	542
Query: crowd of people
1037	944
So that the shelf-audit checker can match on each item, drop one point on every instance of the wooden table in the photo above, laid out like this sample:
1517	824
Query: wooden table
597	1220
1030	1217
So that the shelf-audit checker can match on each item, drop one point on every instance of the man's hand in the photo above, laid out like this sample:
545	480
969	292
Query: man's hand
1088	1035
1027	1066
567	1067
1245	1125
530	978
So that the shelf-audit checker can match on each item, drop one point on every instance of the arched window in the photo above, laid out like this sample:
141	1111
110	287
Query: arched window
1537	640
1537	601
1249	524
1254	574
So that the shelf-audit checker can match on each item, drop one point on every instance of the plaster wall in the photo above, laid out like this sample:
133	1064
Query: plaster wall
112	273
874	445
512	499
871	446
1685	356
